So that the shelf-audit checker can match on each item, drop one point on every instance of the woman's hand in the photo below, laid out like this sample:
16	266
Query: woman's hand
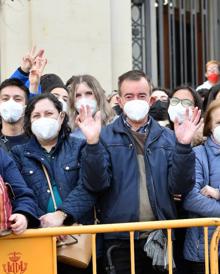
90	126
185	132
19	223
210	192
53	219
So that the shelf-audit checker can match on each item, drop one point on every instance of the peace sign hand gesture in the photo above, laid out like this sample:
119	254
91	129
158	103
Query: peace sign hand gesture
29	59
36	72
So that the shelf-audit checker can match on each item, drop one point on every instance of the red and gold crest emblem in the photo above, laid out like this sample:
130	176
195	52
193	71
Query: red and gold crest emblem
15	265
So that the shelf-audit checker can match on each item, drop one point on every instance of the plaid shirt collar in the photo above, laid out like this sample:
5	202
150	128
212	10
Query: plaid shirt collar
142	129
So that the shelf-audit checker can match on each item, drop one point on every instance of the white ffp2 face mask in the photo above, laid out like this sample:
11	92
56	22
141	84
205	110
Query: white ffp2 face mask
45	128
64	105
136	110
86	102
11	111
178	112
216	134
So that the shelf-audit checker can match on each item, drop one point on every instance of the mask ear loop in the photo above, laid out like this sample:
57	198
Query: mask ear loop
24	107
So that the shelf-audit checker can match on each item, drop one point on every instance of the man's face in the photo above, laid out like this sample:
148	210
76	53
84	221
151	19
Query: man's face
12	92
134	90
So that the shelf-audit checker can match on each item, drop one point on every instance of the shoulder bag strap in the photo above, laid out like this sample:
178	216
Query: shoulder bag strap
50	186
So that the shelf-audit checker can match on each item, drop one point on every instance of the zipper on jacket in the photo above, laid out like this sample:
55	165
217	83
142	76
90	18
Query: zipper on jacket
132	146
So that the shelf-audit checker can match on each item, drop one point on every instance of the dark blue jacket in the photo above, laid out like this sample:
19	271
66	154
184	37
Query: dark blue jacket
23	200
21	75
198	205
24	77
169	169
64	168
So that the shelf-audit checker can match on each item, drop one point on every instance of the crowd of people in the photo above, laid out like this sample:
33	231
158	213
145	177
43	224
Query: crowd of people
141	154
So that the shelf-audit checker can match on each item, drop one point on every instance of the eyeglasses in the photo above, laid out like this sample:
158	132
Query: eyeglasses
185	102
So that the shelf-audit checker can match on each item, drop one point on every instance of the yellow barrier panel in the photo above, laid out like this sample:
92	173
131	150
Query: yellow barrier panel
34	251
214	251
29	255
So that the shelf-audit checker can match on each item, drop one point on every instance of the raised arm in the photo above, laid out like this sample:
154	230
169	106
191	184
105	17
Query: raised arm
182	173
22	73
35	74
95	159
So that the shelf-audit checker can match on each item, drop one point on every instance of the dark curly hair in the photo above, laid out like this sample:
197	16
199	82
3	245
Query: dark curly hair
196	97
15	83
65	129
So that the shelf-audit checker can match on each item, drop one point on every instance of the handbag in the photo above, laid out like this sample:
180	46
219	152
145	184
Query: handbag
5	208
75	250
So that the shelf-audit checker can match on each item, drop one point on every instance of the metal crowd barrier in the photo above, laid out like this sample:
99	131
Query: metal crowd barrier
34	251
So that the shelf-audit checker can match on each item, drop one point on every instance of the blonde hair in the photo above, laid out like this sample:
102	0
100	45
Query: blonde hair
207	130
107	114
212	62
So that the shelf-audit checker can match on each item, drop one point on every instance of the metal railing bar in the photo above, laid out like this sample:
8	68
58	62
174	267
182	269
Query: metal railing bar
206	241
214	251
170	250
132	257
94	265
119	227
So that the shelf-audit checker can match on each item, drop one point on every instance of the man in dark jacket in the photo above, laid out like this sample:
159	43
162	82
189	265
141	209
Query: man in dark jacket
139	165
13	99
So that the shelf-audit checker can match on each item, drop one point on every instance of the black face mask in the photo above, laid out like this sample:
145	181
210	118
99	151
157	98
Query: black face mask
117	109
159	110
